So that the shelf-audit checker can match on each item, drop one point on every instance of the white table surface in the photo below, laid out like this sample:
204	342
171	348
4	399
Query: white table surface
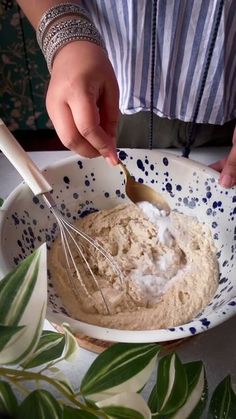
216	347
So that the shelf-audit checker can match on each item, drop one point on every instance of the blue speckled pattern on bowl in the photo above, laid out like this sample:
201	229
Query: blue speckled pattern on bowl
81	186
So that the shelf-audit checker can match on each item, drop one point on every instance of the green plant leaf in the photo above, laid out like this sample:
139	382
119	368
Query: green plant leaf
119	412
71	345
125	405
122	367
6	333
72	413
42	404
23	296
1	201
8	402
53	346
16	289
49	348
53	369
170	391
60	378
232	408
32	338
223	401
197	392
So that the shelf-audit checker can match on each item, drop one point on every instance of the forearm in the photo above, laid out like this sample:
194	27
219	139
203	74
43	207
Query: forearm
35	8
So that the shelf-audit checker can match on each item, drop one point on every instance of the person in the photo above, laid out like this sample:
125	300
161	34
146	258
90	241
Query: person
92	85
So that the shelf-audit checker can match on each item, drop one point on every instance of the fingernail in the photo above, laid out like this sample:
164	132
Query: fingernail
114	160
226	181
111	161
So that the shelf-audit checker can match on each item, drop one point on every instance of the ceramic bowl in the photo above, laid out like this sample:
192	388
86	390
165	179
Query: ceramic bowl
81	186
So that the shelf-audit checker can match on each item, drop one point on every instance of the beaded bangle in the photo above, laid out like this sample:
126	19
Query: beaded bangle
79	30
72	23
55	29
55	12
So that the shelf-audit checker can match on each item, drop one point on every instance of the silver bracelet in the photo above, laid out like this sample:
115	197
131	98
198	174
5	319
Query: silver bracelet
55	12
80	30
56	28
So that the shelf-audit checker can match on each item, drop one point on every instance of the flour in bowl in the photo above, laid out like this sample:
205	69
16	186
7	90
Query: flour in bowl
169	264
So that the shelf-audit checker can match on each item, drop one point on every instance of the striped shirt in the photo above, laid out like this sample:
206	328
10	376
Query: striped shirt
183	34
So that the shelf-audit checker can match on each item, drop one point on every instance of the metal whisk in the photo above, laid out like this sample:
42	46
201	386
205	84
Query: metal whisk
69	233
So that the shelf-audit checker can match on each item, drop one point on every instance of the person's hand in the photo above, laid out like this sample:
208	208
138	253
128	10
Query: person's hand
83	100
227	167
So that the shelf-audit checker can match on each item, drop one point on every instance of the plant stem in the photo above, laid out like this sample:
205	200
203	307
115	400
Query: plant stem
15	375
51	364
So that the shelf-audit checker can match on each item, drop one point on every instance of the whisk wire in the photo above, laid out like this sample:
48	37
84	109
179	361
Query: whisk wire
67	250
87	266
98	247
65	227
66	231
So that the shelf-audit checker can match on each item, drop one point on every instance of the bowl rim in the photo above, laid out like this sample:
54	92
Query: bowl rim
4	267
117	335
187	161
148	336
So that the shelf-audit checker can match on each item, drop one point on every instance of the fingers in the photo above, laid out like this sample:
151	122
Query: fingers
67	131
109	108
87	120
82	100
227	167
219	165
228	173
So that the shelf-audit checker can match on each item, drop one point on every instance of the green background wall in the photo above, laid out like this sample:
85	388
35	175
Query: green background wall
23	72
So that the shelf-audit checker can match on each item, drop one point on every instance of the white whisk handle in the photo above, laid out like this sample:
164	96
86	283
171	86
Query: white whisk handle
22	162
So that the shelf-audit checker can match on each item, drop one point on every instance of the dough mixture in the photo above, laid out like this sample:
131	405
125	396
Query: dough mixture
169	267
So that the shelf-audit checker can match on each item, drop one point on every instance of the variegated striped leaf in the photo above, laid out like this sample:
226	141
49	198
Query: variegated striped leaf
61	378
72	413
71	345
119	412
8	402
223	401
40	404
6	333
53	369
170	391
125	406
232	409
197	392
23	297
122	367
50	347
16	289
